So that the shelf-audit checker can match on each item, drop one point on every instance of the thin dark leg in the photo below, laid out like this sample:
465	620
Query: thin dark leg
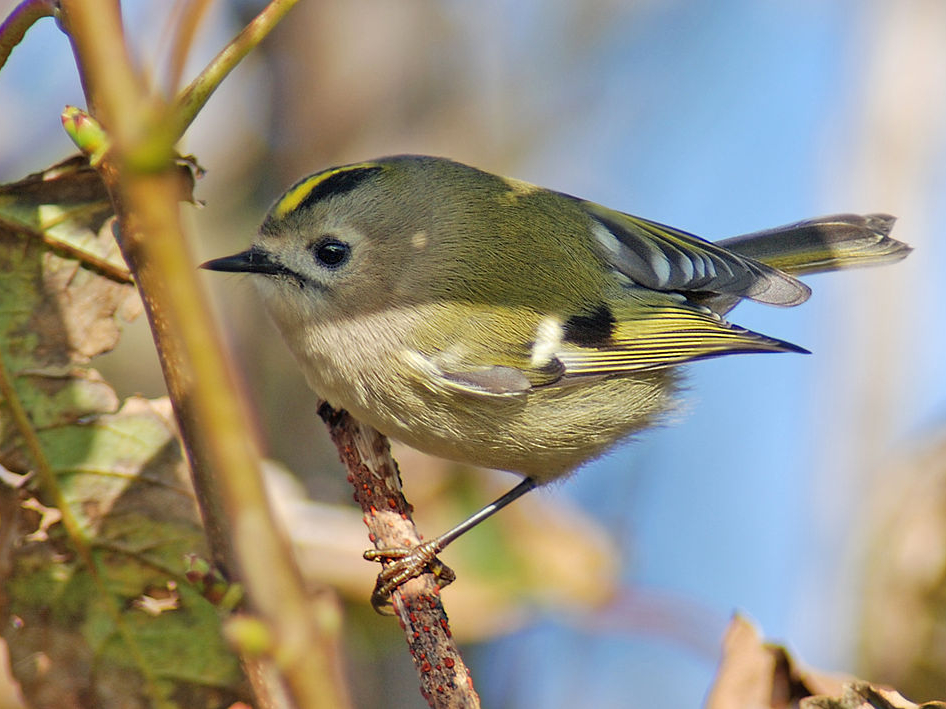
492	508
410	563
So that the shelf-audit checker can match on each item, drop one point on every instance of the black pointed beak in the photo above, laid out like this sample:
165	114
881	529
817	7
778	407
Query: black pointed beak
253	260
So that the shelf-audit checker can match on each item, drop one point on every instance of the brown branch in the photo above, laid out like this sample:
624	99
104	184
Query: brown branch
444	678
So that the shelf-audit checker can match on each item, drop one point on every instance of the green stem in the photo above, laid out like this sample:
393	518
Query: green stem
21	19
191	15
192	99
210	412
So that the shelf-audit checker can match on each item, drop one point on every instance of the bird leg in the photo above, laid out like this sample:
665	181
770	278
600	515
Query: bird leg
402	564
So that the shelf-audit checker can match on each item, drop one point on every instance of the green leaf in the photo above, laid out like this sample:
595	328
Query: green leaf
118	625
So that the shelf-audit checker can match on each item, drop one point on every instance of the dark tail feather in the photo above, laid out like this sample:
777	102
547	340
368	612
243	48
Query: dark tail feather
823	244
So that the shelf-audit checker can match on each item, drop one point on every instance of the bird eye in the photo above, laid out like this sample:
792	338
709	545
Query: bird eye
330	252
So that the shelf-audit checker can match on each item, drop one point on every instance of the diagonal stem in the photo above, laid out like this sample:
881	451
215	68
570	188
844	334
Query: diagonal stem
193	98
16	24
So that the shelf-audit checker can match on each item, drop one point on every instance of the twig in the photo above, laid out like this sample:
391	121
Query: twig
445	679
193	98
21	19
189	15
44	472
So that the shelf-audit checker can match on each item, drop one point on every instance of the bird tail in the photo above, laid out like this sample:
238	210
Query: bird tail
823	244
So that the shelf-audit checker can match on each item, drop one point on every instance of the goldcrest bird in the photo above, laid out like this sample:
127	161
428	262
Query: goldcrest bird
493	322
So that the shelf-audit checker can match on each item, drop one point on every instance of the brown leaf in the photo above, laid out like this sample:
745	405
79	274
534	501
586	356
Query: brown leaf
91	636
756	675
72	310
863	695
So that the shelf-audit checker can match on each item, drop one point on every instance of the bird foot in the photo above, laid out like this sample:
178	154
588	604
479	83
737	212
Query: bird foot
401	564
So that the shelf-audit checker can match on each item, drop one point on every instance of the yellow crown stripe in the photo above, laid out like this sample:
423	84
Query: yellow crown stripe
297	193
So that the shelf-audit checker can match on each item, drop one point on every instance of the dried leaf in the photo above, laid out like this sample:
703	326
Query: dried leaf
863	695
757	675
55	313
124	479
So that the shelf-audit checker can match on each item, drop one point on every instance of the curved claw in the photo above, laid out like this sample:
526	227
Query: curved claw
402	565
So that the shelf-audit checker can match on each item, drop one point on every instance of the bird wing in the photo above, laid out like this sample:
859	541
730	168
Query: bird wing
663	258
656	331
663	334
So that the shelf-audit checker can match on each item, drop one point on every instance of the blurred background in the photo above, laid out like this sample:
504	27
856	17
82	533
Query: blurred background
807	492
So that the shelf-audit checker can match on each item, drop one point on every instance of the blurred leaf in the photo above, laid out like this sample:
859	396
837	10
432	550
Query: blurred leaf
756	674
861	695
904	608
129	630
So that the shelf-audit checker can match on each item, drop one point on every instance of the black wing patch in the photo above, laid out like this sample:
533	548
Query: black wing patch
592	330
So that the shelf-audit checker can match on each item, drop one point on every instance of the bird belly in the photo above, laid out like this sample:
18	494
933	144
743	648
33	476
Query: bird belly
544	432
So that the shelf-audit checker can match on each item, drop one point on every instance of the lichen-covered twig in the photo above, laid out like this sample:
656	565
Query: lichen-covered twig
445	679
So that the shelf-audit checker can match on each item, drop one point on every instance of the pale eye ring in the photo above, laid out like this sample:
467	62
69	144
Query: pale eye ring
330	252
